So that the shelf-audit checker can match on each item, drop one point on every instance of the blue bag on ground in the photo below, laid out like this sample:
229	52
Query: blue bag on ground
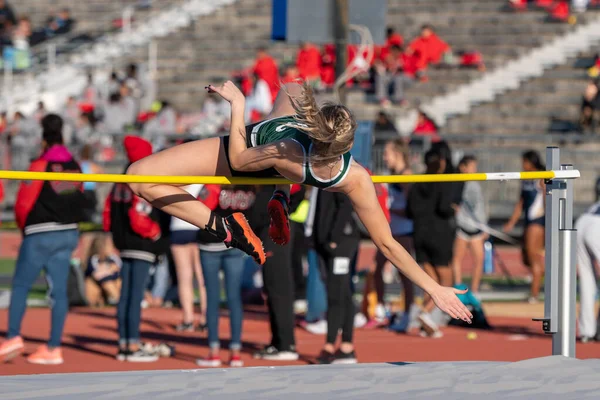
474	305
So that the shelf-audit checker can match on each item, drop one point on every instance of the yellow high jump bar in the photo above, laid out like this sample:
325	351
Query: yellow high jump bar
222	180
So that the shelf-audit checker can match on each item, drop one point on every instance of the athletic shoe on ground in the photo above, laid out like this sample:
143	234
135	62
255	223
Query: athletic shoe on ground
325	357
278	208
236	362
142	355
316	328
122	354
440	318
185	327
434	335
11	348
400	324
586	339
360	320
43	355
344	358
243	238
428	324
533	300
210	362
374	324
300	306
271	353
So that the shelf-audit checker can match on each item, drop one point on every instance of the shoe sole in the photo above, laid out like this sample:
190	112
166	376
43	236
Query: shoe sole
141	359
236	364
279	229
430	329
282	357
46	362
208	365
11	353
249	234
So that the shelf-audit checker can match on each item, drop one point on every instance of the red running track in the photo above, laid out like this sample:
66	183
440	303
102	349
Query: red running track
90	342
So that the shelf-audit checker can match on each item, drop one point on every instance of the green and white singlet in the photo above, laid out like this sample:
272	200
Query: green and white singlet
287	128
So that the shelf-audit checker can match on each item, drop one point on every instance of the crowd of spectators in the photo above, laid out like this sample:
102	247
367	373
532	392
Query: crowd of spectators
18	35
560	11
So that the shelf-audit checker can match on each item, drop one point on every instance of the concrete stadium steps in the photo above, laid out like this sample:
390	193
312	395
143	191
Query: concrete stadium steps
530	108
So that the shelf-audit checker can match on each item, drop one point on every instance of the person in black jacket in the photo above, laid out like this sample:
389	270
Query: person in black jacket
431	207
336	239
278	283
136	232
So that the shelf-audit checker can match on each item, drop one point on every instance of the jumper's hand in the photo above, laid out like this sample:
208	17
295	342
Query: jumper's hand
228	91
447	301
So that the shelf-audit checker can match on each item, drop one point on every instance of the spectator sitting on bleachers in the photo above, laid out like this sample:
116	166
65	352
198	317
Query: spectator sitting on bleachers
590	103
16	45
328	65
426	127
21	34
392	39
308	61
291	74
259	101
266	68
383	124
59	24
397	71
559	12
7	17
428	48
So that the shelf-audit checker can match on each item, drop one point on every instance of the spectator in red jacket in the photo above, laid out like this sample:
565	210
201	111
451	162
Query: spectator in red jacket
559	12
392	39
426	127
266	69
291	74
308	61
428	47
136	233
393	75
47	214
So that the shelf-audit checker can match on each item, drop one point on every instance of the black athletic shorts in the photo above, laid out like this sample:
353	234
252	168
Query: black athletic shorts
436	251
267	173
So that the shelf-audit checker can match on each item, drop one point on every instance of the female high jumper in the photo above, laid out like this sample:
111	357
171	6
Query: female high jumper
300	141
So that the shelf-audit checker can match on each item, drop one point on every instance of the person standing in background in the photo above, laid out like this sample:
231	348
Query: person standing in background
216	256
47	214
278	281
336	238
89	188
298	213
137	234
396	158
531	204
470	217
588	252
430	206
186	256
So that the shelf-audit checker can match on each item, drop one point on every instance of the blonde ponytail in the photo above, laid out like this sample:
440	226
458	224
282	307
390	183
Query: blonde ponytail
331	127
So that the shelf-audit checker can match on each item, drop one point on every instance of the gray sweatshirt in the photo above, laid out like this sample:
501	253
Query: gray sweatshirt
472	209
